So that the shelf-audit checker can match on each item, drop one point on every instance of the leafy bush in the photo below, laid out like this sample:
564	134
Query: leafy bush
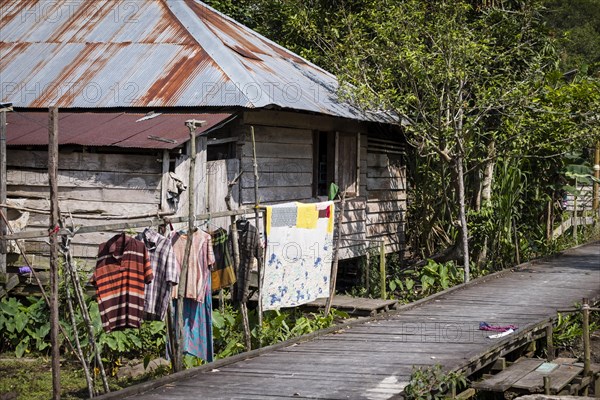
278	326
24	326
569	329
432	383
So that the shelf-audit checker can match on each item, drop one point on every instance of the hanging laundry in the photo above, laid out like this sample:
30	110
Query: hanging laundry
297	268
250	248
222	274
197	327
200	260
166	274
122	270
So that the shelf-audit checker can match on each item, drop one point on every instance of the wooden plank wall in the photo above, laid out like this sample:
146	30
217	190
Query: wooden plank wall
285	168
354	224
584	200
285	165
386	186
219	174
97	187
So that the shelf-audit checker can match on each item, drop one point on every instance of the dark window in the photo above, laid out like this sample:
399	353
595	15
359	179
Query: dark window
335	160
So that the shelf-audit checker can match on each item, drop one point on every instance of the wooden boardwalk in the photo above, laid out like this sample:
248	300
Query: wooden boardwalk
373	358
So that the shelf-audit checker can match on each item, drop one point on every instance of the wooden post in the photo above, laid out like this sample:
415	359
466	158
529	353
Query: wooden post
549	222
596	193
575	221
367	270
336	255
382	272
52	175
517	250
3	227
585	309
236	260
547	383
257	219
188	247
550	342
164	204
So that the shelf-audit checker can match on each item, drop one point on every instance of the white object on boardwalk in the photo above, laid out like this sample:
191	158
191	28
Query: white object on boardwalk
499	335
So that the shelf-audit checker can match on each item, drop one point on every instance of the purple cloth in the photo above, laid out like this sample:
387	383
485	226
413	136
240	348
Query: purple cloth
484	326
24	270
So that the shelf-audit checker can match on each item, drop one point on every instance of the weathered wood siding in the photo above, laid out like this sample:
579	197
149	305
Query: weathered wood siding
285	165
219	174
95	188
386	188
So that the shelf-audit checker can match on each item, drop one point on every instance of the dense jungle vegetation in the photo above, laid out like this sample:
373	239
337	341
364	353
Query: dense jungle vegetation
500	100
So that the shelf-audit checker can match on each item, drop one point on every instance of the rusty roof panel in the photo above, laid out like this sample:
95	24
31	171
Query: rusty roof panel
153	53
164	131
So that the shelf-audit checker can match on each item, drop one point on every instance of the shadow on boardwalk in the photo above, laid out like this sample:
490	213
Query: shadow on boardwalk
372	358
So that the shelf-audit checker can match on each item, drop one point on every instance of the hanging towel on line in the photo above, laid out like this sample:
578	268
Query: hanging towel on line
297	268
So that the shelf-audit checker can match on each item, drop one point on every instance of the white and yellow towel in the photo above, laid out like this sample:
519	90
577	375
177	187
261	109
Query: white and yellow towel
299	251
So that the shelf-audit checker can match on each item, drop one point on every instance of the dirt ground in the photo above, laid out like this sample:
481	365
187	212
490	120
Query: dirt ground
576	351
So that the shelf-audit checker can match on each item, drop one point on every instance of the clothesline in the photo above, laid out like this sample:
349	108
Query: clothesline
126	224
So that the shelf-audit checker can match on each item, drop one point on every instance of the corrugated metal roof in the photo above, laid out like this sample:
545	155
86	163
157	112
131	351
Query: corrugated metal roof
164	131
153	53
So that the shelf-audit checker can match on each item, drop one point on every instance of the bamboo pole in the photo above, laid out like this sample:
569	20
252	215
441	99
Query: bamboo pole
188	247
382	272
54	320
585	310
336	253
367	271
3	225
596	199
84	364
517	250
236	260
575	221
257	219
79	296
125	225
549	222
37	280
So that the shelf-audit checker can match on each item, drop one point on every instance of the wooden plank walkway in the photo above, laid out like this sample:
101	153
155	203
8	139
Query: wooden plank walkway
354	305
373	358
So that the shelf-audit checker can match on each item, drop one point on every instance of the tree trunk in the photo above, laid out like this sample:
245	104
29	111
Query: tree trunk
463	215
486	193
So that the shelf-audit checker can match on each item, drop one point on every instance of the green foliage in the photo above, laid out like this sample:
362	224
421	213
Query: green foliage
412	284
481	84
24	326
576	24
147	343
432	383
277	326
228	336
569	328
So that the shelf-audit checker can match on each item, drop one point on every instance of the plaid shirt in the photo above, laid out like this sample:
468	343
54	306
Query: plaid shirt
122	270
166	274
250	248
222	274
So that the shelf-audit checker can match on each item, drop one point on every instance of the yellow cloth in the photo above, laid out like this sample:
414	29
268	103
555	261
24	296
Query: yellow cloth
307	216
331	218
268	223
